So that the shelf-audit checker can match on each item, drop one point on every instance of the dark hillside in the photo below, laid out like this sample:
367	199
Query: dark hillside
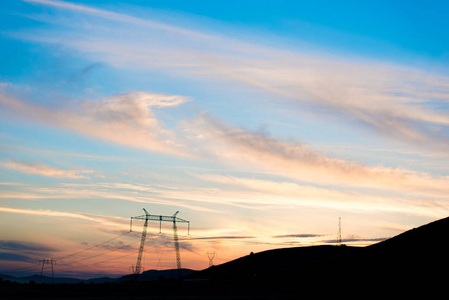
423	238
417	255
277	263
414	262
154	275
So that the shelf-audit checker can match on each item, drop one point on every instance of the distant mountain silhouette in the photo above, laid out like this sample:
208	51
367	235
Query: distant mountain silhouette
38	279
150	275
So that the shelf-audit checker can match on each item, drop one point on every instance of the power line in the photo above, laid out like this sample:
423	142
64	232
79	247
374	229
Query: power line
99	262
97	245
37	266
158	251
96	255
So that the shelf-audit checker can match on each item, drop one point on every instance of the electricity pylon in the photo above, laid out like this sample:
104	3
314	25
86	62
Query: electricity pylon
147	217
175	239
47	262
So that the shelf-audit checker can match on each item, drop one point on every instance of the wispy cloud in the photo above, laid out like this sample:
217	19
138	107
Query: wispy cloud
235	193
226	237
13	256
107	220
12	150
395	101
23	246
298	235
355	239
275	194
43	169
197	200
125	119
296	160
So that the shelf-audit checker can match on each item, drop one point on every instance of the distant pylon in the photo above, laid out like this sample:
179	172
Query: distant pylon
339	232
211	256
47	262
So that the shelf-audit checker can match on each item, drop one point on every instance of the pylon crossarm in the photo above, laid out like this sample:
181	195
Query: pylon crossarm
160	218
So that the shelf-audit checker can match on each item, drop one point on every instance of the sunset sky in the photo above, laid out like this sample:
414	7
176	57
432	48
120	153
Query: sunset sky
261	122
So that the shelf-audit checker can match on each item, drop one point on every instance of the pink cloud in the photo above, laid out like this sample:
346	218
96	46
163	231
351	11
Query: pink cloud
43	170
125	119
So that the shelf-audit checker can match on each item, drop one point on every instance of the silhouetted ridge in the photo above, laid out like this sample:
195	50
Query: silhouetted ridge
277	262
419	251
424	237
405	264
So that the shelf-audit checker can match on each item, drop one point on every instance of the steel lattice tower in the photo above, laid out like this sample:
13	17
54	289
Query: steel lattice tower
147	217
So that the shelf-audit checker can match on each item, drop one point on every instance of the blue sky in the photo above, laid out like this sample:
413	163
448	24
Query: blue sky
262	122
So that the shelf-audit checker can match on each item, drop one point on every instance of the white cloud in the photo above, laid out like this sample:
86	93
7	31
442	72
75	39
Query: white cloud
126	119
396	101
242	148
44	170
290	194
106	220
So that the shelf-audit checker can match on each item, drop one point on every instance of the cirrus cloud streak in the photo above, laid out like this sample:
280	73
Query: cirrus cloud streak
395	101
125	119
43	169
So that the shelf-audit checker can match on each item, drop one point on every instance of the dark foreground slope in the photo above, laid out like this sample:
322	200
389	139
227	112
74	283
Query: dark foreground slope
422	251
414	262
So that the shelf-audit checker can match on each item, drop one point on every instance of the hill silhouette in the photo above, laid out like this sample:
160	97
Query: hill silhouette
414	262
153	275
150	275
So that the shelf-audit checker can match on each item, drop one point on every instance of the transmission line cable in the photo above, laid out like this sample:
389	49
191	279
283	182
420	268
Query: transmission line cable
92	247
36	268
98	262
102	253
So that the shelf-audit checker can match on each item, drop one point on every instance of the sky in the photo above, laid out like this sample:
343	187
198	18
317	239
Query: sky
266	124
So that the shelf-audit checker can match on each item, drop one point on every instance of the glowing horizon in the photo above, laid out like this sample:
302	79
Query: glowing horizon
261	126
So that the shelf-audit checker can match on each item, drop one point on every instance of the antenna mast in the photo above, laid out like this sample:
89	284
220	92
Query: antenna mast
211	256
339	232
